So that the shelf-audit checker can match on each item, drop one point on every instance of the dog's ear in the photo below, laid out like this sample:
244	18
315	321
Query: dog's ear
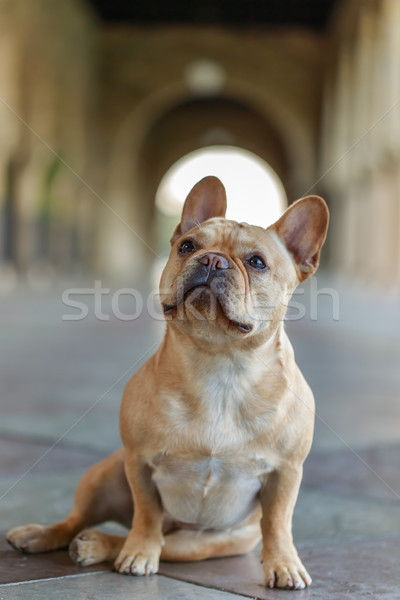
302	228
206	199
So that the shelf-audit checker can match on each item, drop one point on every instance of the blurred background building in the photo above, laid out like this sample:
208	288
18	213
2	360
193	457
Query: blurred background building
99	100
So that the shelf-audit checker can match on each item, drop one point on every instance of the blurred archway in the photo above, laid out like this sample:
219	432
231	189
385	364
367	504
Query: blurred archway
169	132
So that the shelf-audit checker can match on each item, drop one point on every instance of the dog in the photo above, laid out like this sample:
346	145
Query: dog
217	424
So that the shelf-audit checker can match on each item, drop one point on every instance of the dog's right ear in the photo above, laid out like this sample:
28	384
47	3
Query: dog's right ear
207	199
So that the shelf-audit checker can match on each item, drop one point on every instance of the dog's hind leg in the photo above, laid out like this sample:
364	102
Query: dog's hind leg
180	545
191	545
103	494
91	547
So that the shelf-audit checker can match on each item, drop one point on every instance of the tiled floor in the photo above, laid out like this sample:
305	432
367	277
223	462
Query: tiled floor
61	383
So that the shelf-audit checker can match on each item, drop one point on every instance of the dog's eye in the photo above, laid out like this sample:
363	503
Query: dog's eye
257	263
186	248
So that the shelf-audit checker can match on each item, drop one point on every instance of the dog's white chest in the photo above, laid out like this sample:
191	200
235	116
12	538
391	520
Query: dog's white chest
206	491
207	475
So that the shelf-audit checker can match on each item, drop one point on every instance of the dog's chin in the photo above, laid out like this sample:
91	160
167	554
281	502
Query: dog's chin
200	303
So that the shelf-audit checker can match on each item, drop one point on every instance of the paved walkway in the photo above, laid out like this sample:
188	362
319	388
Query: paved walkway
61	384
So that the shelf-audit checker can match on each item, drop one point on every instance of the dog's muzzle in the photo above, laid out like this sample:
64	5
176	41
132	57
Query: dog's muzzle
211	272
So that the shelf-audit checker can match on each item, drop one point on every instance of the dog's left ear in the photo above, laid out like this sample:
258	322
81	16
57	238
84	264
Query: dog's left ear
207	199
302	228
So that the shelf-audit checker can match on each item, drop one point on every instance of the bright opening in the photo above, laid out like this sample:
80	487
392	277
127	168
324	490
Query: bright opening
254	191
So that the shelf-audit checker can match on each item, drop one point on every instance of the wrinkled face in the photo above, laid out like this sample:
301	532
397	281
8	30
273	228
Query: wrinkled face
226	280
237	277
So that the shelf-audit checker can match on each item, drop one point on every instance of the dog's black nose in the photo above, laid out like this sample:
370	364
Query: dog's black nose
214	262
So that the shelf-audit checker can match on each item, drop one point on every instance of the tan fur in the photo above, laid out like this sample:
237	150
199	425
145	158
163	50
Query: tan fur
217	424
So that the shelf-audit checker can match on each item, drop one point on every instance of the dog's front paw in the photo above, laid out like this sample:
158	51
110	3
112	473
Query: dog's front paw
288	573
138	558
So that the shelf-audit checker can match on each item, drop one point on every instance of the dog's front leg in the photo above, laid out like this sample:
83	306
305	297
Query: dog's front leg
141	552
282	566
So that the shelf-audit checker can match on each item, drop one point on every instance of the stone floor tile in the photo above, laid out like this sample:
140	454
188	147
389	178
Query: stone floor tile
17	567
17	456
74	373
363	569
372	472
39	498
321	517
109	586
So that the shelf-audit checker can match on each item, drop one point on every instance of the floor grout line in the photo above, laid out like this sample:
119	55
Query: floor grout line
97	573
58	577
207	587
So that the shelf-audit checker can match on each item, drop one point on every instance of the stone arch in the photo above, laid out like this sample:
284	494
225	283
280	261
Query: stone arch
200	123
197	123
150	141
152	83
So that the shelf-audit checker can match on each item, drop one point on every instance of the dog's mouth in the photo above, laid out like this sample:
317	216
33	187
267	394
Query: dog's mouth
170	309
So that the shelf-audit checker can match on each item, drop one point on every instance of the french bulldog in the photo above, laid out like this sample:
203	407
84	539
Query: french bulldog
217	424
